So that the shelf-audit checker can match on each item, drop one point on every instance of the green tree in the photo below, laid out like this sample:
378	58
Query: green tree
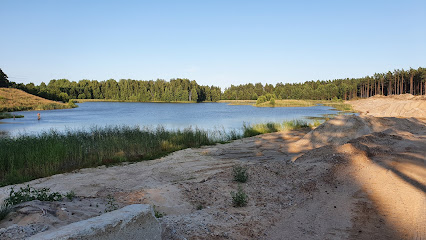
4	82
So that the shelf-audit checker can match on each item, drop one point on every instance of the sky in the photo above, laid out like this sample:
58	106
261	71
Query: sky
213	42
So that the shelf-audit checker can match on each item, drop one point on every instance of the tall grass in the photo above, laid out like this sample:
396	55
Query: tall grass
28	157
4	115
261	128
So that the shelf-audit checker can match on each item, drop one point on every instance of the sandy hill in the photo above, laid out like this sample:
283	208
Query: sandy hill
404	105
12	99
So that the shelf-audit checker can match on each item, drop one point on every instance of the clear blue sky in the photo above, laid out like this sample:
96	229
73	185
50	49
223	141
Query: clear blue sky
213	42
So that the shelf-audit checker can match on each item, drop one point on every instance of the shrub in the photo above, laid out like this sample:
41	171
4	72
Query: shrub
261	99
240	173
239	198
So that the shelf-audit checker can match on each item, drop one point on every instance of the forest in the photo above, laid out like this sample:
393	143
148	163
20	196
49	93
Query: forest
391	83
411	81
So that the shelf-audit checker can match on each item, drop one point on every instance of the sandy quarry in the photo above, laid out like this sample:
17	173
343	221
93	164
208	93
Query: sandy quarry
350	178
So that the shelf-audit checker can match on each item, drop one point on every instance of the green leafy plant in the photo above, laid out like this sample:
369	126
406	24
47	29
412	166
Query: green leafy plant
70	195
239	198
157	213
25	194
111	204
240	173
4	210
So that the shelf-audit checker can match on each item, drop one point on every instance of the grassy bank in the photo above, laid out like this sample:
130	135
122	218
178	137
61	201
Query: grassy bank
12	99
256	129
338	105
29	157
4	115
112	100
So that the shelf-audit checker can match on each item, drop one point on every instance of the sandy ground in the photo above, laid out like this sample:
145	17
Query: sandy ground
351	178
405	105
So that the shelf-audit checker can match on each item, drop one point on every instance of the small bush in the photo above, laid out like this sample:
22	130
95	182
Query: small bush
239	198
261	99
240	173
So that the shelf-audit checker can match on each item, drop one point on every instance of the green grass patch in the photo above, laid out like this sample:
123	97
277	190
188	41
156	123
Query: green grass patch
261	128
4	115
29	157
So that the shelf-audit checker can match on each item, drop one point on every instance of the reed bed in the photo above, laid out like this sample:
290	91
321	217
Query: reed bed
261	128
29	157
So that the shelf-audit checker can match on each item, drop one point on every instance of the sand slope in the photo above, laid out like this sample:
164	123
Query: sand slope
405	105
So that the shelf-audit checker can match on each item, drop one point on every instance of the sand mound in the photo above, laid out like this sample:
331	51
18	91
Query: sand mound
340	130
405	105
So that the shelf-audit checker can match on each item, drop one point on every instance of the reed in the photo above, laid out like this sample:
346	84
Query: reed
29	157
261	128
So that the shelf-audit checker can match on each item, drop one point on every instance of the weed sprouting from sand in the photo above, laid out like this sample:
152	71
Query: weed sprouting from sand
4	210
157	213
111	204
26	194
240	173
239	198
70	195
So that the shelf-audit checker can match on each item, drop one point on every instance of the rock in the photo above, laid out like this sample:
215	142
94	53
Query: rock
135	221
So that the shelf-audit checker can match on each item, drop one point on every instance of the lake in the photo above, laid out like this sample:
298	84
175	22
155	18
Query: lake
208	116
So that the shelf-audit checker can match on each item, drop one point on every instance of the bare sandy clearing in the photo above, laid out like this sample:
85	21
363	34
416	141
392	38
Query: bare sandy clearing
405	105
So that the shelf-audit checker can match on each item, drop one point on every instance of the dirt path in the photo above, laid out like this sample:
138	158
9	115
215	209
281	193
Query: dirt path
351	178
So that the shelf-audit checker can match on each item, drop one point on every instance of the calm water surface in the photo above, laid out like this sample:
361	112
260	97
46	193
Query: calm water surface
171	115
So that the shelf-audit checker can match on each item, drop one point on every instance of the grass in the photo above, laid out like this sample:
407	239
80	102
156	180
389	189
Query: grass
12	99
239	102
337	104
4	115
256	129
29	157
115	100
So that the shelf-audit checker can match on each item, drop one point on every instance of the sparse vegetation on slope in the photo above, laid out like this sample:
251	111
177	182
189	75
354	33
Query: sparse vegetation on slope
12	99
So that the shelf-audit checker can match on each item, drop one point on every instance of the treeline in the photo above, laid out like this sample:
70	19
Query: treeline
175	90
391	83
